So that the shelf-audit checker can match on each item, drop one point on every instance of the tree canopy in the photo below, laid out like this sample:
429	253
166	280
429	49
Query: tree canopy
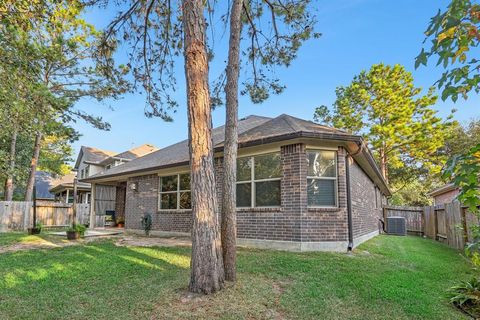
396	119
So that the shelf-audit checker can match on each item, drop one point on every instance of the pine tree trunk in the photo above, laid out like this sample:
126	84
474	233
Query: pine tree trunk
383	164
207	274
33	167
9	181
229	219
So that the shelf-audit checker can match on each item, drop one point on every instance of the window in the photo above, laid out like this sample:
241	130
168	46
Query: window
81	174
258	181
87	169
322	178
175	192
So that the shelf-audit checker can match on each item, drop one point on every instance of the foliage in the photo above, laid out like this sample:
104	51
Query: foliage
415	192
80	228
39	226
147	223
464	170
397	121
153	32
453	33
462	138
467	296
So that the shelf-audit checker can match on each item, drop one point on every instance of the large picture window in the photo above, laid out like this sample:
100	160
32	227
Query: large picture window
258	181
322	178
175	192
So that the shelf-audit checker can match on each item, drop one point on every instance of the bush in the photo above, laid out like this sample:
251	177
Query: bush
147	223
39	226
466	296
80	228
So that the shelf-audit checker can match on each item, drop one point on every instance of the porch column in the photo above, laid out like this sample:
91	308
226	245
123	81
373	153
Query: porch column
68	195
92	207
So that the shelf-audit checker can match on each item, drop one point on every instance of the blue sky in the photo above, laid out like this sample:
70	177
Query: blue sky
355	35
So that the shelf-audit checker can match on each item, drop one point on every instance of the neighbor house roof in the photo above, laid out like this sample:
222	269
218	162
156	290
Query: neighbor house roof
66	182
445	188
92	155
131	154
252	130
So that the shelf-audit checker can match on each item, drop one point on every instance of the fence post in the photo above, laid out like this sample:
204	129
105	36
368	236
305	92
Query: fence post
464	224
435	223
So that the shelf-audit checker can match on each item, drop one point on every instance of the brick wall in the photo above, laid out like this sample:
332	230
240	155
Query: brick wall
365	210
120	201
145	200
293	221
446	197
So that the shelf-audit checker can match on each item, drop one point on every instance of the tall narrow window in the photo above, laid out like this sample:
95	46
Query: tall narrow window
175	192
258	181
322	178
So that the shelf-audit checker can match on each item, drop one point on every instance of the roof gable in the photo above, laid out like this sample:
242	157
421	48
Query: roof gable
91	154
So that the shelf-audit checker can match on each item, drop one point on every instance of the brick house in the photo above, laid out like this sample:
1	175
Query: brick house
300	186
445	194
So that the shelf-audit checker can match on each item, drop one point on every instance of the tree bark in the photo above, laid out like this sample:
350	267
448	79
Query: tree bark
384	164
9	181
33	167
229	218
207	275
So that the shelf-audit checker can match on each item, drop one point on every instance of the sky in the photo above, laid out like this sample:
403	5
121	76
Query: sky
355	35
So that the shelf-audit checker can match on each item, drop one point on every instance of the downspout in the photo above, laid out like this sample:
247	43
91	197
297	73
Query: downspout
349	205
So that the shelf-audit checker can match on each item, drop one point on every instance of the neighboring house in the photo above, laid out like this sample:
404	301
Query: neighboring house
295	181
63	189
91	161
445	194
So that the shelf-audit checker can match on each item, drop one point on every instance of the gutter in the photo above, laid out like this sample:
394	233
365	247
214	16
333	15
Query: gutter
349	204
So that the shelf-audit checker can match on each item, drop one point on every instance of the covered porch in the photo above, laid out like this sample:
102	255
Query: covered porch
107	209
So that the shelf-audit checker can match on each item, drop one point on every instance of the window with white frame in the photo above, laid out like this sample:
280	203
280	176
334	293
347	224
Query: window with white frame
87	171
322	178
258	181
175	192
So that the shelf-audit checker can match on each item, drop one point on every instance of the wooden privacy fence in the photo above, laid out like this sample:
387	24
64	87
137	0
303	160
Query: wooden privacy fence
18	215
412	215
449	223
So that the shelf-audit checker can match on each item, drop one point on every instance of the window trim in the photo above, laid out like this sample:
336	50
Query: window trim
253	181
336	205
177	192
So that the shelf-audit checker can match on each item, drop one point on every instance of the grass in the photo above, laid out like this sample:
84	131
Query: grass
387	278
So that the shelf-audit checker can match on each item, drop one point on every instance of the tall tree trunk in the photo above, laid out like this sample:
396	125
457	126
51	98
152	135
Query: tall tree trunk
33	167
9	181
384	164
229	219
207	275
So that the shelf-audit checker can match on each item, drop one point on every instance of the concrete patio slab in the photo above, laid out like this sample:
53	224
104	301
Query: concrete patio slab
93	233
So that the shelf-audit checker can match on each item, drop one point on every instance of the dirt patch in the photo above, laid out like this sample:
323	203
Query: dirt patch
46	242
137	241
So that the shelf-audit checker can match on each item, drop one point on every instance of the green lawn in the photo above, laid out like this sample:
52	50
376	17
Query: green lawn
398	278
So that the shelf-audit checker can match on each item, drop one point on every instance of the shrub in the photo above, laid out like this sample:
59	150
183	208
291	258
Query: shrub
147	223
80	228
466	296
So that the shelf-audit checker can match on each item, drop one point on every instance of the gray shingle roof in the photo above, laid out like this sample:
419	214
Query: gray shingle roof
177	153
252	130
93	155
284	125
